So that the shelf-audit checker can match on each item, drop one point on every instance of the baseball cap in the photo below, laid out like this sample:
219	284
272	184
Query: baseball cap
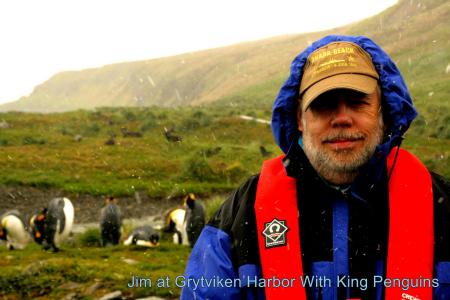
334	66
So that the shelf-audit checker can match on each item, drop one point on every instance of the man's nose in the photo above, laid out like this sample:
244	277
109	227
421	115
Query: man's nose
341	116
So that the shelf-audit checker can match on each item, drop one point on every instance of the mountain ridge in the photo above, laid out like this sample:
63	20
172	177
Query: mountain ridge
412	32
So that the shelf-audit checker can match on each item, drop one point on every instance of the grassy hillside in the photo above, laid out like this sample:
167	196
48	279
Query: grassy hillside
40	150
414	33
223	83
218	150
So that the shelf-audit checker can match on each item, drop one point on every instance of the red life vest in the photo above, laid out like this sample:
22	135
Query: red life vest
411	230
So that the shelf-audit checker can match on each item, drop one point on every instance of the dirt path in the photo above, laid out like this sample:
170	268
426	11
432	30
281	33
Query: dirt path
29	200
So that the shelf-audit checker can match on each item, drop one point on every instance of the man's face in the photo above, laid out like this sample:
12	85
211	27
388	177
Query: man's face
340	130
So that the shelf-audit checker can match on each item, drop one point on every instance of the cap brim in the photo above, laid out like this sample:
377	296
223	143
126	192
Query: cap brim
357	82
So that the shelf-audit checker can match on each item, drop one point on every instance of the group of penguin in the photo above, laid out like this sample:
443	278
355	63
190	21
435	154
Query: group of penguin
53	224
48	227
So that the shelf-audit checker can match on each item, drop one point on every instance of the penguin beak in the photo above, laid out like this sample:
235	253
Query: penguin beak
154	244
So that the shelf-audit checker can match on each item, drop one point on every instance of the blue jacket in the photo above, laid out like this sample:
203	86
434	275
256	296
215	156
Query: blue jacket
224	263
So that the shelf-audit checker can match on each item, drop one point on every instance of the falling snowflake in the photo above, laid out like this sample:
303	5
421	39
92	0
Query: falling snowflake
151	81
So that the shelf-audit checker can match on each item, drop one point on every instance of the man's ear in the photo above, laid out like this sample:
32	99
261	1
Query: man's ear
299	120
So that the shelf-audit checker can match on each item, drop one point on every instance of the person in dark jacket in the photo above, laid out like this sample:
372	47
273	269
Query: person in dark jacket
345	213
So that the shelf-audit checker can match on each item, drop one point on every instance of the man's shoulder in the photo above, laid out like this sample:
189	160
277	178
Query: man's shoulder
441	186
441	196
441	192
237	204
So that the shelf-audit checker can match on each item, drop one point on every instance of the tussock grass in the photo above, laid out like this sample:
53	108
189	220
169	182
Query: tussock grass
209	159
33	273
212	205
89	238
213	157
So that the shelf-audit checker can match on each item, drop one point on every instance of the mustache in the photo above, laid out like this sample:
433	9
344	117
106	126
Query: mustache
339	136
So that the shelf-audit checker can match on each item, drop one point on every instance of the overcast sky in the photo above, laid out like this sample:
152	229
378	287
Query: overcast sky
42	37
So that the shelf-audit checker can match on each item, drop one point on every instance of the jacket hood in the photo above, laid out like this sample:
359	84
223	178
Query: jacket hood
396	100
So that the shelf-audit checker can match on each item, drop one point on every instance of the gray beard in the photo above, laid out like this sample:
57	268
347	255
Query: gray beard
331	167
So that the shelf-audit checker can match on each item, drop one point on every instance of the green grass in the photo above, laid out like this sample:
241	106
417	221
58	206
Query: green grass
212	205
433	152
219	150
210	158
35	274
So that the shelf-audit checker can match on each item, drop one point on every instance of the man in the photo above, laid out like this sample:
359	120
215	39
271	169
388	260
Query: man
346	213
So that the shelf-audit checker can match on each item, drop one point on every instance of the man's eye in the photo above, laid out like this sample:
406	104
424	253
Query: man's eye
321	106
358	102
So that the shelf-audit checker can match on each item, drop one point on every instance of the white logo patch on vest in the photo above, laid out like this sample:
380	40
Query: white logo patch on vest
275	233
